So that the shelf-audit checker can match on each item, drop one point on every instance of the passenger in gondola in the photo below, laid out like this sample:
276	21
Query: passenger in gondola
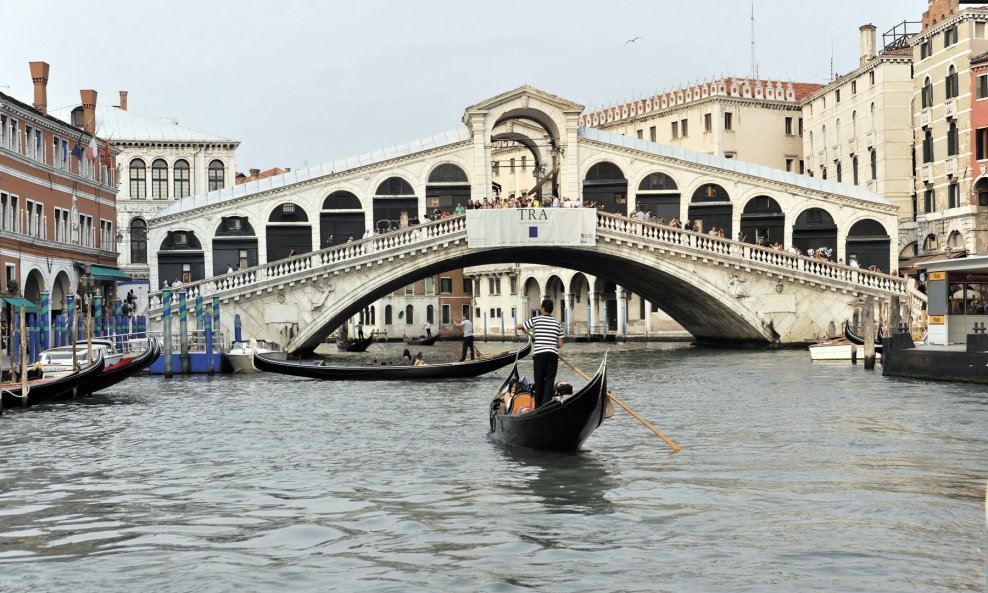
406	357
518	399
419	361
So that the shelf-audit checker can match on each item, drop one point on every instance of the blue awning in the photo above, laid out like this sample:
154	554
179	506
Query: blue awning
16	303
106	273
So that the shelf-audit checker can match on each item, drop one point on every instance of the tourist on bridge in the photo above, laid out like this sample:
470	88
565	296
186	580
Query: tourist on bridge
548	337
467	327
460	209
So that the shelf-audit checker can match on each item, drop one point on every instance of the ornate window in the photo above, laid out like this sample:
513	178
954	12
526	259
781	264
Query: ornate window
138	179
159	179
183	184
217	175
138	241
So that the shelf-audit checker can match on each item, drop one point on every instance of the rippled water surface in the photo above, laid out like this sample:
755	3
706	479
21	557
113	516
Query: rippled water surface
793	477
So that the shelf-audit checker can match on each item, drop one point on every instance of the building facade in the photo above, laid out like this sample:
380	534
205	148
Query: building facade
859	128
57	202
160	162
949	218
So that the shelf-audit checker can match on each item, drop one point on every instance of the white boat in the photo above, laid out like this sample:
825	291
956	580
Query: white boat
58	362
839	349
241	355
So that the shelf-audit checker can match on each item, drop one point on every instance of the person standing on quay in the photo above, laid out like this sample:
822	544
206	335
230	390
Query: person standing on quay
467	326
548	335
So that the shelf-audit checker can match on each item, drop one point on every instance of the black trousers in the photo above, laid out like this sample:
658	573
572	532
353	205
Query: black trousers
467	344
545	364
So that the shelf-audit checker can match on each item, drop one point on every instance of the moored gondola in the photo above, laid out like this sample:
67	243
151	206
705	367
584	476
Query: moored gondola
388	372
422	340
131	364
856	339
43	390
562	424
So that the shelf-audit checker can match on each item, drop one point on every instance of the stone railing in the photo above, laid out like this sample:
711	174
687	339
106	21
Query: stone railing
300	266
826	271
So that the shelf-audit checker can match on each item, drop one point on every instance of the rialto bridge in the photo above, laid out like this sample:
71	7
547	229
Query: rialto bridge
298	273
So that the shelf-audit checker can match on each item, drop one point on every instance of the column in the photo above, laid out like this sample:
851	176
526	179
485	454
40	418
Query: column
592	316
622	310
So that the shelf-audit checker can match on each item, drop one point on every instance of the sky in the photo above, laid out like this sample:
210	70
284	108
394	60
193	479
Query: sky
300	83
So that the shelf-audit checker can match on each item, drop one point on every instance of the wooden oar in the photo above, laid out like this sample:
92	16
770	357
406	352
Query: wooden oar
669	442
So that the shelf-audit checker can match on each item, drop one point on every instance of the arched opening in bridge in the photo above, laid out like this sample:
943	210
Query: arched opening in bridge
448	187
534	120
660	194
868	243
342	217
814	230
711	207
234	245
609	304
579	289
606	184
60	289
288	231
180	257
395	205
138	241
763	222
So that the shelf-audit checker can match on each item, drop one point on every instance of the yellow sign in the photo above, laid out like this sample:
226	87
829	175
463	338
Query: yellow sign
938	275
936	319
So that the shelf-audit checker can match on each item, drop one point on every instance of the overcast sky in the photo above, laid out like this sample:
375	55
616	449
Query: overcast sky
302	83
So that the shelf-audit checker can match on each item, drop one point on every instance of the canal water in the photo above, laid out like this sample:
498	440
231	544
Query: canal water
793	477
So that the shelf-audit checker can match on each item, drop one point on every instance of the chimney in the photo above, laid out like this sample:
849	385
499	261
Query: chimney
123	100
88	110
39	74
255	172
867	43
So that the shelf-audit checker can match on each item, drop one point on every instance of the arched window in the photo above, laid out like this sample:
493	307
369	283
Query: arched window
950	83
604	171
159	179
138	241
927	93
928	146
854	169
429	314
395	186
409	312
138	179
811	142
387	315
447	173
341	200
874	163
840	171
854	124
952	139
183	180
217	175
874	121
837	133
823	136
657	182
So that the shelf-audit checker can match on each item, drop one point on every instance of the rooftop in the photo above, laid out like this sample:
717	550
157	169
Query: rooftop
120	125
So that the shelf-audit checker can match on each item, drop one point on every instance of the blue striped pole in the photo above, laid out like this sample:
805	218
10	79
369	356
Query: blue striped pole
216	314
118	328
58	331
70	327
45	319
236	328
32	338
166	319
199	312
183	330
15	344
210	367
100	326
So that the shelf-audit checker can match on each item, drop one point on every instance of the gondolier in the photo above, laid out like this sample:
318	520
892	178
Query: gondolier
467	326
548	334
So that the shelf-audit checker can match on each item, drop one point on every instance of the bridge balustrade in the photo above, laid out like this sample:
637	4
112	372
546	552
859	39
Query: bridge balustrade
376	245
746	251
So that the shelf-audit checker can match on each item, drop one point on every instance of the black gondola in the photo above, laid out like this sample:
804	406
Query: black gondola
125	367
354	345
558	425
44	390
421	340
387	372
856	339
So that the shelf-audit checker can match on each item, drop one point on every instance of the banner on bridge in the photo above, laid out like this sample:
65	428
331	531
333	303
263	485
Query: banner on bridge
532	227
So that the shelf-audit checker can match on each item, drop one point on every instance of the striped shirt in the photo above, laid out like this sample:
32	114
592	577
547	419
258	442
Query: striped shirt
547	330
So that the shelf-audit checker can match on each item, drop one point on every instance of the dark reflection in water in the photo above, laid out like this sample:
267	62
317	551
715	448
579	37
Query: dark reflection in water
793	477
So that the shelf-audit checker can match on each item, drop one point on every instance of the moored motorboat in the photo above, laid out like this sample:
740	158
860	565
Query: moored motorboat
57	362
839	349
561	424
51	388
387	372
241	354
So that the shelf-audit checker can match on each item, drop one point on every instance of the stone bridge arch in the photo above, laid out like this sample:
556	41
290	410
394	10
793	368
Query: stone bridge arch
670	283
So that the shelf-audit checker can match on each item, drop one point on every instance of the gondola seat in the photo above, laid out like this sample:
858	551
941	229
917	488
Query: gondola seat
521	402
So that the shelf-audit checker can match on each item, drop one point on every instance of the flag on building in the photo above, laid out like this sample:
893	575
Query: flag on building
105	153
92	151
77	149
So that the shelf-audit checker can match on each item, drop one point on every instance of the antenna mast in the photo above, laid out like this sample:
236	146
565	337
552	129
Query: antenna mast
754	65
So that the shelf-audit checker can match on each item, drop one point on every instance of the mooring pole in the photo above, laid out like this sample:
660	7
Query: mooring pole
869	333
166	319
183	330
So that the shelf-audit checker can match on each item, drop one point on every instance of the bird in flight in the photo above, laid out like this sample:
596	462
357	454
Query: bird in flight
632	40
